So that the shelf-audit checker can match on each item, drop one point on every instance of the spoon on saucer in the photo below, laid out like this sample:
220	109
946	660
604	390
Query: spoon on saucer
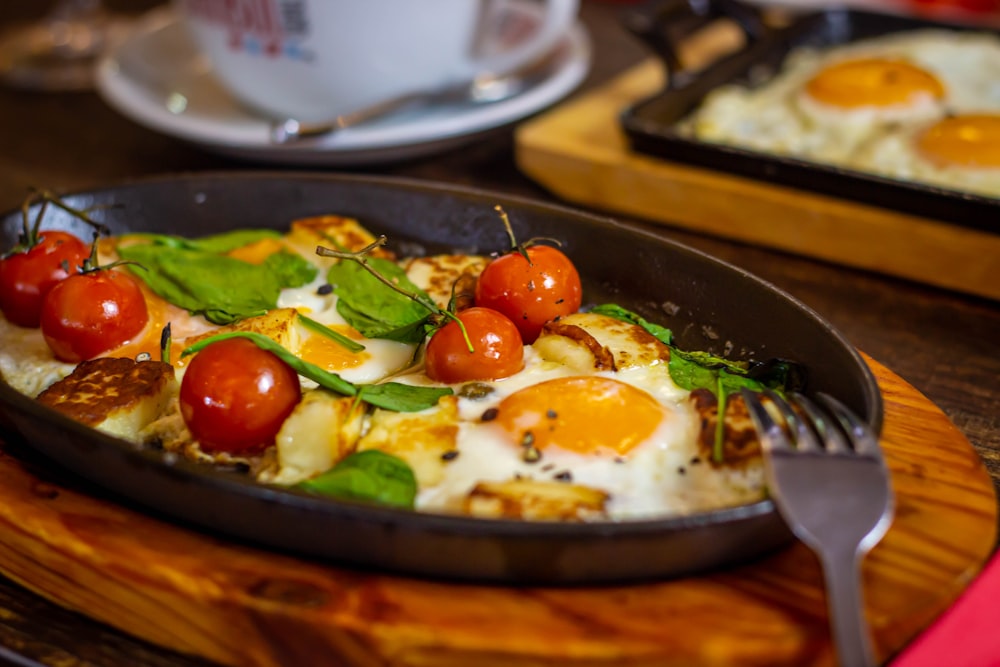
484	89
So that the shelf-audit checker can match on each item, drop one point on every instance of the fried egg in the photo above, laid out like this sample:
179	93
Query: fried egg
875	105
629	433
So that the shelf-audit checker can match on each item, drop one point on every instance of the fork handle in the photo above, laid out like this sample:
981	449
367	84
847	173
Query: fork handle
845	601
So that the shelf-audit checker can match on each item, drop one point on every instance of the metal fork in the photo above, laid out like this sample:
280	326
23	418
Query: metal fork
830	484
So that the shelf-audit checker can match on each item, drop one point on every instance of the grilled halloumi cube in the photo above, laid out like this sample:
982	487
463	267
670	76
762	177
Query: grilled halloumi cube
422	439
542	500
115	395
279	325
331	231
322	429
590	342
438	274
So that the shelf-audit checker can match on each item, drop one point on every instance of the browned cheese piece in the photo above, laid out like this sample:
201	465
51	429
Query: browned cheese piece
117	396
439	275
539	500
590	342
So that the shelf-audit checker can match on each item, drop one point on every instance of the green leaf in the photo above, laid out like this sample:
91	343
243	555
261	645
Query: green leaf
371	476
402	397
221	288
217	243
375	309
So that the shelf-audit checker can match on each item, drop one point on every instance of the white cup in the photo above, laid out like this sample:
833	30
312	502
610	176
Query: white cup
313	60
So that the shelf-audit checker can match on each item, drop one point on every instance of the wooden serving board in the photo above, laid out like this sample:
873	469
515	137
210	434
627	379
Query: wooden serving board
580	153
242	606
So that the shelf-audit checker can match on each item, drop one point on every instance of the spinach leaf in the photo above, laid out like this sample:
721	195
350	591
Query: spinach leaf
221	288
217	243
371	476
391	395
402	397
375	309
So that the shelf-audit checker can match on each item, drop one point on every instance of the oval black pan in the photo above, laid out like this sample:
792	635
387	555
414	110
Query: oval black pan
709	304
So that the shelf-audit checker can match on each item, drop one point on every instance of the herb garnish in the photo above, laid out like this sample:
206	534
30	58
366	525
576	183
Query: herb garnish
371	475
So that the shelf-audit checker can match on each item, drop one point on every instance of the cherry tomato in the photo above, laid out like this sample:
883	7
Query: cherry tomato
90	313
235	397
26	277
530	294
497	348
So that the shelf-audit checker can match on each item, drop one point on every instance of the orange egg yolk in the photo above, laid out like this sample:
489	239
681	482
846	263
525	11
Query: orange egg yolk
873	82
588	415
967	141
329	354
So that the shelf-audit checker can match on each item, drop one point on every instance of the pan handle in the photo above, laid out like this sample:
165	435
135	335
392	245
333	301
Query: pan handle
659	22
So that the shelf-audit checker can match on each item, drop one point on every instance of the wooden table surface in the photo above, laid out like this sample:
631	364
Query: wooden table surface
946	345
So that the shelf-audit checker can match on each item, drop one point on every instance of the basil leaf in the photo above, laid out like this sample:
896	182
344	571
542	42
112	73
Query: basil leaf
371	476
400	397
323	378
221	288
217	243
375	309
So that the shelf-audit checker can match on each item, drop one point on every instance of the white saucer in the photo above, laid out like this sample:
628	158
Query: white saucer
157	78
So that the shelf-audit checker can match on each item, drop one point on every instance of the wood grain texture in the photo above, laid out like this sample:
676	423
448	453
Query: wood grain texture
237	605
579	152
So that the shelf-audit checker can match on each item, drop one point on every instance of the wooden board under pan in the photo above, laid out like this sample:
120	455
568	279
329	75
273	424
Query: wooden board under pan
238	605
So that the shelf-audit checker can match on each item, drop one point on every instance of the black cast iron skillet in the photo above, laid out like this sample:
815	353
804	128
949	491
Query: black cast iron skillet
709	304
650	123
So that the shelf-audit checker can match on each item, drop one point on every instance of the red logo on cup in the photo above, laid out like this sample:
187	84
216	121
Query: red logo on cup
270	28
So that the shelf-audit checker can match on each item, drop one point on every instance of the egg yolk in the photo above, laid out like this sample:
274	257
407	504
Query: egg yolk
329	354
873	82
588	415
967	141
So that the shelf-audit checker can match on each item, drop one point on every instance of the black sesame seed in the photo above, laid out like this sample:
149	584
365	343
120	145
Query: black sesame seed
681	470
324	289
489	415
695	460
449	455
564	476
551	414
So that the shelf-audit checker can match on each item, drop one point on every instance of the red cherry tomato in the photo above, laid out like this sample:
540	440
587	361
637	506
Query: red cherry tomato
497	348
531	294
235	397
26	277
90	313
